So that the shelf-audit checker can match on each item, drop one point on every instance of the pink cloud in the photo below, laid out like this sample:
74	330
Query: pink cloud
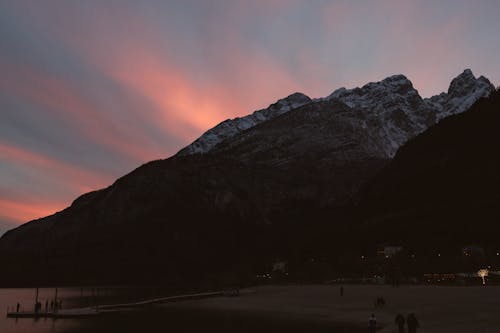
86	116
182	105
178	102
23	211
79	179
29	206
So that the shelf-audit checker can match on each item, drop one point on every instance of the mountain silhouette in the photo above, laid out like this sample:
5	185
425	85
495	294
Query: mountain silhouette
279	183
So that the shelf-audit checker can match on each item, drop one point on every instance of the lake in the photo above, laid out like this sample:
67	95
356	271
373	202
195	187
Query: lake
146	319
70	298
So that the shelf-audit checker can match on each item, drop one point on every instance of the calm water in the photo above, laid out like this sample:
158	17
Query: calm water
70	297
147	319
26	298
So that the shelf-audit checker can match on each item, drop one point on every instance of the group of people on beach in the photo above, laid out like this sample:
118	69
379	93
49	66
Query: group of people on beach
411	321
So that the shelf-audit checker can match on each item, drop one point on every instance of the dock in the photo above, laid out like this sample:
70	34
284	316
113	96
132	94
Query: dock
106	308
68	313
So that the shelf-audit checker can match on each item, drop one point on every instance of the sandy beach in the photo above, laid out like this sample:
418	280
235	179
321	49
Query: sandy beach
438	308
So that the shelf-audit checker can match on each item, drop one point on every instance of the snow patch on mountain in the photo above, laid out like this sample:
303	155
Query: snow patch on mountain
464	91
231	127
394	112
391	111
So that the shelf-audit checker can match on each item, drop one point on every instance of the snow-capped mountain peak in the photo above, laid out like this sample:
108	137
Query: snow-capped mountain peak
370	93
390	111
231	127
464	90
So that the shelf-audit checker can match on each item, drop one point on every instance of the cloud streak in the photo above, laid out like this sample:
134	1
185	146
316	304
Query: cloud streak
20	212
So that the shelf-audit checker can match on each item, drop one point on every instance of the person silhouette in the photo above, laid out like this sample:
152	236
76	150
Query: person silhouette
400	322
372	324
412	323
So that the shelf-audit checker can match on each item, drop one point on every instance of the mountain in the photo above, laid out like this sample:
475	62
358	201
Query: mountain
230	128
442	188
272	184
391	110
464	90
193	217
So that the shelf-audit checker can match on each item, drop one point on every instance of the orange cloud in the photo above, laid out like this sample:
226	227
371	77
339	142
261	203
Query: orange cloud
78	178
182	105
86	116
141	60
26	207
21	212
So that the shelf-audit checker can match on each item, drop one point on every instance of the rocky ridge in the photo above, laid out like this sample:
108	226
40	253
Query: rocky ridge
231	127
391	110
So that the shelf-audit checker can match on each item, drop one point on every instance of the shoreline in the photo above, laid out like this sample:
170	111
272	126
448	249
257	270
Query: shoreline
438	309
299	308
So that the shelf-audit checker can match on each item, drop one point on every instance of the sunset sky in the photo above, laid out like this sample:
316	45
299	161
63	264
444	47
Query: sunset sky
91	89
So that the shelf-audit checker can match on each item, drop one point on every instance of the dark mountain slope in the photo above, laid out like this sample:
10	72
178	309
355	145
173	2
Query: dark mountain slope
322	147
254	189
442	188
188	218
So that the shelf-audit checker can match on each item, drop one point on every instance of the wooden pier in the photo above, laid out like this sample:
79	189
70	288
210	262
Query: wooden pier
69	313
